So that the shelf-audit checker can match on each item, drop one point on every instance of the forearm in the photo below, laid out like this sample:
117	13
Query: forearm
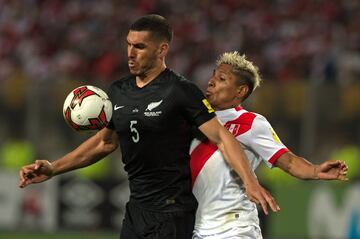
236	157
297	166
89	152
82	156
230	149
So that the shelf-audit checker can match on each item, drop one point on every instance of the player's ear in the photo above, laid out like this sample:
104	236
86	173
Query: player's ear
163	49
242	91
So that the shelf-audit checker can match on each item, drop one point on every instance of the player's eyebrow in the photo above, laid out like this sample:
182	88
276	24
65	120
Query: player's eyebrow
139	45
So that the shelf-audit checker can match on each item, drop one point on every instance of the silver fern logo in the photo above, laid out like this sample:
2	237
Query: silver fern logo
149	110
153	105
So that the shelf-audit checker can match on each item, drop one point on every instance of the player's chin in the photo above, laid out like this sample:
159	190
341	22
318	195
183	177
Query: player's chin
134	68
211	99
132	71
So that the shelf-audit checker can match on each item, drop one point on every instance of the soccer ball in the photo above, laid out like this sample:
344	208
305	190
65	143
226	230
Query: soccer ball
87	108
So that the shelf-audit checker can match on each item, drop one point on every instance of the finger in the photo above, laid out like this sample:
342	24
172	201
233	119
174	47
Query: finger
339	162
38	164
342	176
344	167
343	164
24	184
28	174
42	164
264	206
21	175
270	200
272	203
25	173
333	162
28	168
22	178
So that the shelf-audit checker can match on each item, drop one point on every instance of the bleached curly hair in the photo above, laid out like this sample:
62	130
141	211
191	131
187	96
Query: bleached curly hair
246	71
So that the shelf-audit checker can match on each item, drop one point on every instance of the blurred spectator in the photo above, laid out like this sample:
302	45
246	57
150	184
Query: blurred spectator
82	36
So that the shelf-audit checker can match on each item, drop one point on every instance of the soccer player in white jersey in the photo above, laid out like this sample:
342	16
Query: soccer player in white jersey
224	210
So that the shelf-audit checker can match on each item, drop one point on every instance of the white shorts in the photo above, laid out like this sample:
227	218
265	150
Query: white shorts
246	232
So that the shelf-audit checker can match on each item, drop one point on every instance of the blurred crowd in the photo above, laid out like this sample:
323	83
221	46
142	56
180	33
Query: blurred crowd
47	47
47	39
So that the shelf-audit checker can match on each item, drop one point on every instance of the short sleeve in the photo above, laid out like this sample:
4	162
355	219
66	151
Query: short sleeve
265	142
193	103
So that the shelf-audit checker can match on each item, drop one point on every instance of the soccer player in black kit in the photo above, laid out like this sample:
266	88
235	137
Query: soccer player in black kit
154	111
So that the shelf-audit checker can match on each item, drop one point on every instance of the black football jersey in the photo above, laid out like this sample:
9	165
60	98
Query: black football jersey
154	124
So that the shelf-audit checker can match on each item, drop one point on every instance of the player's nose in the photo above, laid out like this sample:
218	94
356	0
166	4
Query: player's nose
131	52
211	82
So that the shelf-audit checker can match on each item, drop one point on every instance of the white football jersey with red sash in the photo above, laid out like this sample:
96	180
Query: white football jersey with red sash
223	203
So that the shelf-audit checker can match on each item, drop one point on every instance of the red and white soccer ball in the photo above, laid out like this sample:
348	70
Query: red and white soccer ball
87	108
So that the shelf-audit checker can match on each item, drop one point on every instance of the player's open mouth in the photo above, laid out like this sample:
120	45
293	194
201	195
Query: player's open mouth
131	63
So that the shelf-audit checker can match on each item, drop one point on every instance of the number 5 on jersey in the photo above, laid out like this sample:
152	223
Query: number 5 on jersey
135	137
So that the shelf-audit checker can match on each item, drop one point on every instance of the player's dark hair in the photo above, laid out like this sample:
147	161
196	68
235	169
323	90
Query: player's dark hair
156	24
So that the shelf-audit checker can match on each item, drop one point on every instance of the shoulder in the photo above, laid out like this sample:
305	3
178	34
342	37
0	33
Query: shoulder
185	85
123	83
253	120
179	83
177	78
126	80
260	119
247	121
244	117
261	125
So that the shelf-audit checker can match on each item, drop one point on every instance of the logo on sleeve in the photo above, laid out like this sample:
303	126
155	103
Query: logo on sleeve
149	109
208	106
275	137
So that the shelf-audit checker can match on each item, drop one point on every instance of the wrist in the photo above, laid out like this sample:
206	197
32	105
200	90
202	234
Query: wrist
51	168
250	181
316	172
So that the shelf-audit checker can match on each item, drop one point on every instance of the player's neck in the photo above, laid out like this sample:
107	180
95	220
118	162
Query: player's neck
236	106
142	81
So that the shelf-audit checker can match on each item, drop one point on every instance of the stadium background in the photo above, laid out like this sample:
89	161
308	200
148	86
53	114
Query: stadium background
309	56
